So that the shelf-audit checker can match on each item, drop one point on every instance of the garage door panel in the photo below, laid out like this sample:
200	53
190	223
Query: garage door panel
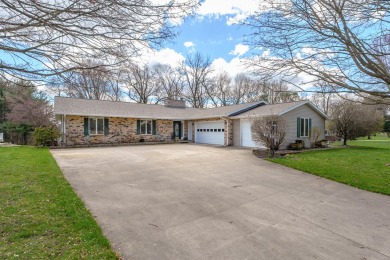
246	135
209	132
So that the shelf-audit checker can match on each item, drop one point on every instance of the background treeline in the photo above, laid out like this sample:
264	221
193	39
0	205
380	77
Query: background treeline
193	80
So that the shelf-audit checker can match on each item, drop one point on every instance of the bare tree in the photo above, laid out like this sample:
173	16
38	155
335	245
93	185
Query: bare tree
219	90
196	70
326	41
45	38
141	84
169	81
324	97
269	131
351	120
277	91
242	88
98	83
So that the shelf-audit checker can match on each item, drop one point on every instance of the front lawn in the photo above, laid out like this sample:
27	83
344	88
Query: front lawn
40	215
365	164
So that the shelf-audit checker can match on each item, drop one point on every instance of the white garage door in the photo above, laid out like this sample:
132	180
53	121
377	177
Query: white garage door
246	134
209	132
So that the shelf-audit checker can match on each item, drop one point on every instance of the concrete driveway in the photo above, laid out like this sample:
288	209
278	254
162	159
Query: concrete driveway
190	201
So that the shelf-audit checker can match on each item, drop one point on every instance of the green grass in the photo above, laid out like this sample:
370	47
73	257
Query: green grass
365	164
40	215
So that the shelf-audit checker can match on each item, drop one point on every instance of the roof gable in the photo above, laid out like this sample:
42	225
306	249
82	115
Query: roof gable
278	109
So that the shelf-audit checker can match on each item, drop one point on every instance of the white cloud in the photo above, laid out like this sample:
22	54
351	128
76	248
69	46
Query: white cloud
266	53
240	49
189	44
164	56
234	67
238	10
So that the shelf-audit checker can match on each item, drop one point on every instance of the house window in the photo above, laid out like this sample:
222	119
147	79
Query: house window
304	128
146	127
96	126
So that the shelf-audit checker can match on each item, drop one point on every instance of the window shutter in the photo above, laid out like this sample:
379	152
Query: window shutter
298	127
138	127
86	126
106	126
154	128
309	126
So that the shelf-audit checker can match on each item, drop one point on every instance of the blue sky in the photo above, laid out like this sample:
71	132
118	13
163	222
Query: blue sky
213	32
209	36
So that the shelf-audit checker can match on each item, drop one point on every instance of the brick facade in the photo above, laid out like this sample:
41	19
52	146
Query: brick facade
124	130
121	130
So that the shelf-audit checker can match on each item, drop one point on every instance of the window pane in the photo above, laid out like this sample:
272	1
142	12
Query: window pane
306	127
149	127
100	126
92	126
302	127
143	127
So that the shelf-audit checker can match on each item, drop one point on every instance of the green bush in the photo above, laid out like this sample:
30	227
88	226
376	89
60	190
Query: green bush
46	136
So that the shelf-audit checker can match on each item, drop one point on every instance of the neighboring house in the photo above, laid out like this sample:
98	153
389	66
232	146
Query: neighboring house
85	121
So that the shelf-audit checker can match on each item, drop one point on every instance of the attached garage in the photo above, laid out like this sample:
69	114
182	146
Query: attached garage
209	132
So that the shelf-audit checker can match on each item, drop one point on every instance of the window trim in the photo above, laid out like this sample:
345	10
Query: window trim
89	125
146	129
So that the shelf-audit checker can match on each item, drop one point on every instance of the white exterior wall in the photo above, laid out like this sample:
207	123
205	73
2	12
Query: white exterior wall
306	112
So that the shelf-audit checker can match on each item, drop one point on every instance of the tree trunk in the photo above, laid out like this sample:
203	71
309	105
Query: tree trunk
345	140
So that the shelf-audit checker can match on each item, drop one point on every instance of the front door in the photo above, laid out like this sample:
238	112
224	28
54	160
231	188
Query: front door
176	129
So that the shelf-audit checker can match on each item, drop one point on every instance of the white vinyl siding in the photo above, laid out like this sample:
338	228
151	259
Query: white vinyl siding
236	132
302	112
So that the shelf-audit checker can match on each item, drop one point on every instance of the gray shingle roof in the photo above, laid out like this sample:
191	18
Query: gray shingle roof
277	109
88	107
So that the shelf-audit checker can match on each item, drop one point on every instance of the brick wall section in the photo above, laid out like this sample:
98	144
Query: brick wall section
121	130
165	129
228	132
75	130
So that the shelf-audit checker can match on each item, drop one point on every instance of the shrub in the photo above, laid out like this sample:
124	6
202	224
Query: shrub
314	136
46	136
269	131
